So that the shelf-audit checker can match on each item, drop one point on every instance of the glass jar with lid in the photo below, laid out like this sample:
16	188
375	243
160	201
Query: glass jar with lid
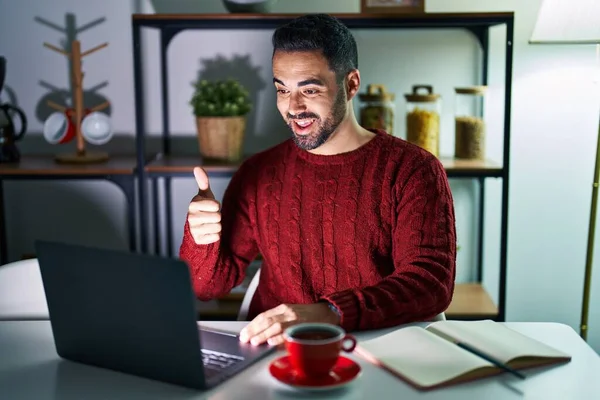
377	110
469	125
423	118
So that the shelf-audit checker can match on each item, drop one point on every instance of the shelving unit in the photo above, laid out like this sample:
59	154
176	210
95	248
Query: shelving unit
470	300
119	170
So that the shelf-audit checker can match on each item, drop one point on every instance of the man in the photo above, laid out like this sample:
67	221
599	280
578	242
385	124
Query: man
356	227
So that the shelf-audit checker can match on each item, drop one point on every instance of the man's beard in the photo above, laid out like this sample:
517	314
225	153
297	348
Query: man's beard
324	129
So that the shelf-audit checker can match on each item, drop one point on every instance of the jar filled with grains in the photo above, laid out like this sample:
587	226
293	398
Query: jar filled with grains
377	110
423	118
469	124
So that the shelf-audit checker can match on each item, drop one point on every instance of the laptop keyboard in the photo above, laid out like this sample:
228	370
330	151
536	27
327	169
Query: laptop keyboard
217	361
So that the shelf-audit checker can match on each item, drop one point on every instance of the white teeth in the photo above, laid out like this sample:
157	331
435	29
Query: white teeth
305	122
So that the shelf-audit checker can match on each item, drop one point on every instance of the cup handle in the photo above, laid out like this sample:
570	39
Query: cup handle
348	343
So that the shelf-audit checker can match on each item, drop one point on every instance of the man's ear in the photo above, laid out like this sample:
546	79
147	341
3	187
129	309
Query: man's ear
352	84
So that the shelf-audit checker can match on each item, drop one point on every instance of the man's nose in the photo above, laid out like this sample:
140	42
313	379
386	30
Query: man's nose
296	105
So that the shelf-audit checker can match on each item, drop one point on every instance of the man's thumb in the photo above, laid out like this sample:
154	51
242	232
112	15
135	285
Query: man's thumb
201	178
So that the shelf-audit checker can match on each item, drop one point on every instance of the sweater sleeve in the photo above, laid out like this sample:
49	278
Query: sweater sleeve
424	254
218	267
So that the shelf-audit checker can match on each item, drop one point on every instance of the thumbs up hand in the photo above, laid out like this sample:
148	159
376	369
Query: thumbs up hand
204	212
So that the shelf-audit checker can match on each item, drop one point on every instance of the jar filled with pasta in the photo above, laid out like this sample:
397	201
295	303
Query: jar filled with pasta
469	126
377	110
423	109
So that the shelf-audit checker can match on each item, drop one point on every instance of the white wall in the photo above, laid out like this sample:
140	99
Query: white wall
554	122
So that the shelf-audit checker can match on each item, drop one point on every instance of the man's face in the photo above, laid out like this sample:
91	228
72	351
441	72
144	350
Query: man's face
308	97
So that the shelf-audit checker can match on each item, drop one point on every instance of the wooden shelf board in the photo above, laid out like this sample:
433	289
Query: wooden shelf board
233	297
454	164
217	310
471	300
185	164
45	165
471	168
484	17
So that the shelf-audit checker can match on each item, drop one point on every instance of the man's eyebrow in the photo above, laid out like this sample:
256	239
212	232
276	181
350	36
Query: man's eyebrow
313	81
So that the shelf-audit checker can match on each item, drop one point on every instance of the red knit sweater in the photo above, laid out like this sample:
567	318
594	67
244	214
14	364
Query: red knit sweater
372	231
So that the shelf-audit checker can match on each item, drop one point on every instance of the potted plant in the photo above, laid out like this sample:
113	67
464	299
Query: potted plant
220	108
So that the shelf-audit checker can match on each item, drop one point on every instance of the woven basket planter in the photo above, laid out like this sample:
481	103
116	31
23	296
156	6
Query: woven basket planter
221	138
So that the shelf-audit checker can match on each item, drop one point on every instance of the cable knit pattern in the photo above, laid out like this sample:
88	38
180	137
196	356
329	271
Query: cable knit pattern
372	231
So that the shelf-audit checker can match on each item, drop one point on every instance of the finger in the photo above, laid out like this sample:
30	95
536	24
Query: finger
203	183
197	219
277	340
258	324
201	178
272	331
261	322
204	217
206	239
203	204
205	229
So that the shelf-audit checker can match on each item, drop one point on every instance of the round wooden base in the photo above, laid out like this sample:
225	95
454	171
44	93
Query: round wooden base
86	158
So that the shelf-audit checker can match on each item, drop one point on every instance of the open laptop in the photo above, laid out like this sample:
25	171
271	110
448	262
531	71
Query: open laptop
135	314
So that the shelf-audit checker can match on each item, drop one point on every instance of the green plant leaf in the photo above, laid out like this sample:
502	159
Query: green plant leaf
225	98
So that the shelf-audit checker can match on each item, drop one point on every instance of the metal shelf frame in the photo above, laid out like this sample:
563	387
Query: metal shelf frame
169	25
125	182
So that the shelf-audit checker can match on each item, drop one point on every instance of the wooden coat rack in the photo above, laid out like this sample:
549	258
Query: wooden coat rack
75	56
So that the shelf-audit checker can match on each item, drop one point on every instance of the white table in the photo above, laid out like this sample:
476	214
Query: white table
31	369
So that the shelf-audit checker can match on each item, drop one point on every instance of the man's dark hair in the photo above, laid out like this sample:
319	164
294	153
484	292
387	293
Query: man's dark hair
319	32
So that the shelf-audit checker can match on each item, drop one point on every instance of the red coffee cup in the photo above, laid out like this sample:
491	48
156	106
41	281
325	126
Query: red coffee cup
59	128
314	348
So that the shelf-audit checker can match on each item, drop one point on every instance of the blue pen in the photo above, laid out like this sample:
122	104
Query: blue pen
490	359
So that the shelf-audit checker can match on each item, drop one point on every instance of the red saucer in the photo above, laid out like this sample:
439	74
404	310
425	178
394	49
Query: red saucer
344	372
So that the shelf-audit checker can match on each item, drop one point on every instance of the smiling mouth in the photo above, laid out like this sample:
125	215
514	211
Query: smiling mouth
304	123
